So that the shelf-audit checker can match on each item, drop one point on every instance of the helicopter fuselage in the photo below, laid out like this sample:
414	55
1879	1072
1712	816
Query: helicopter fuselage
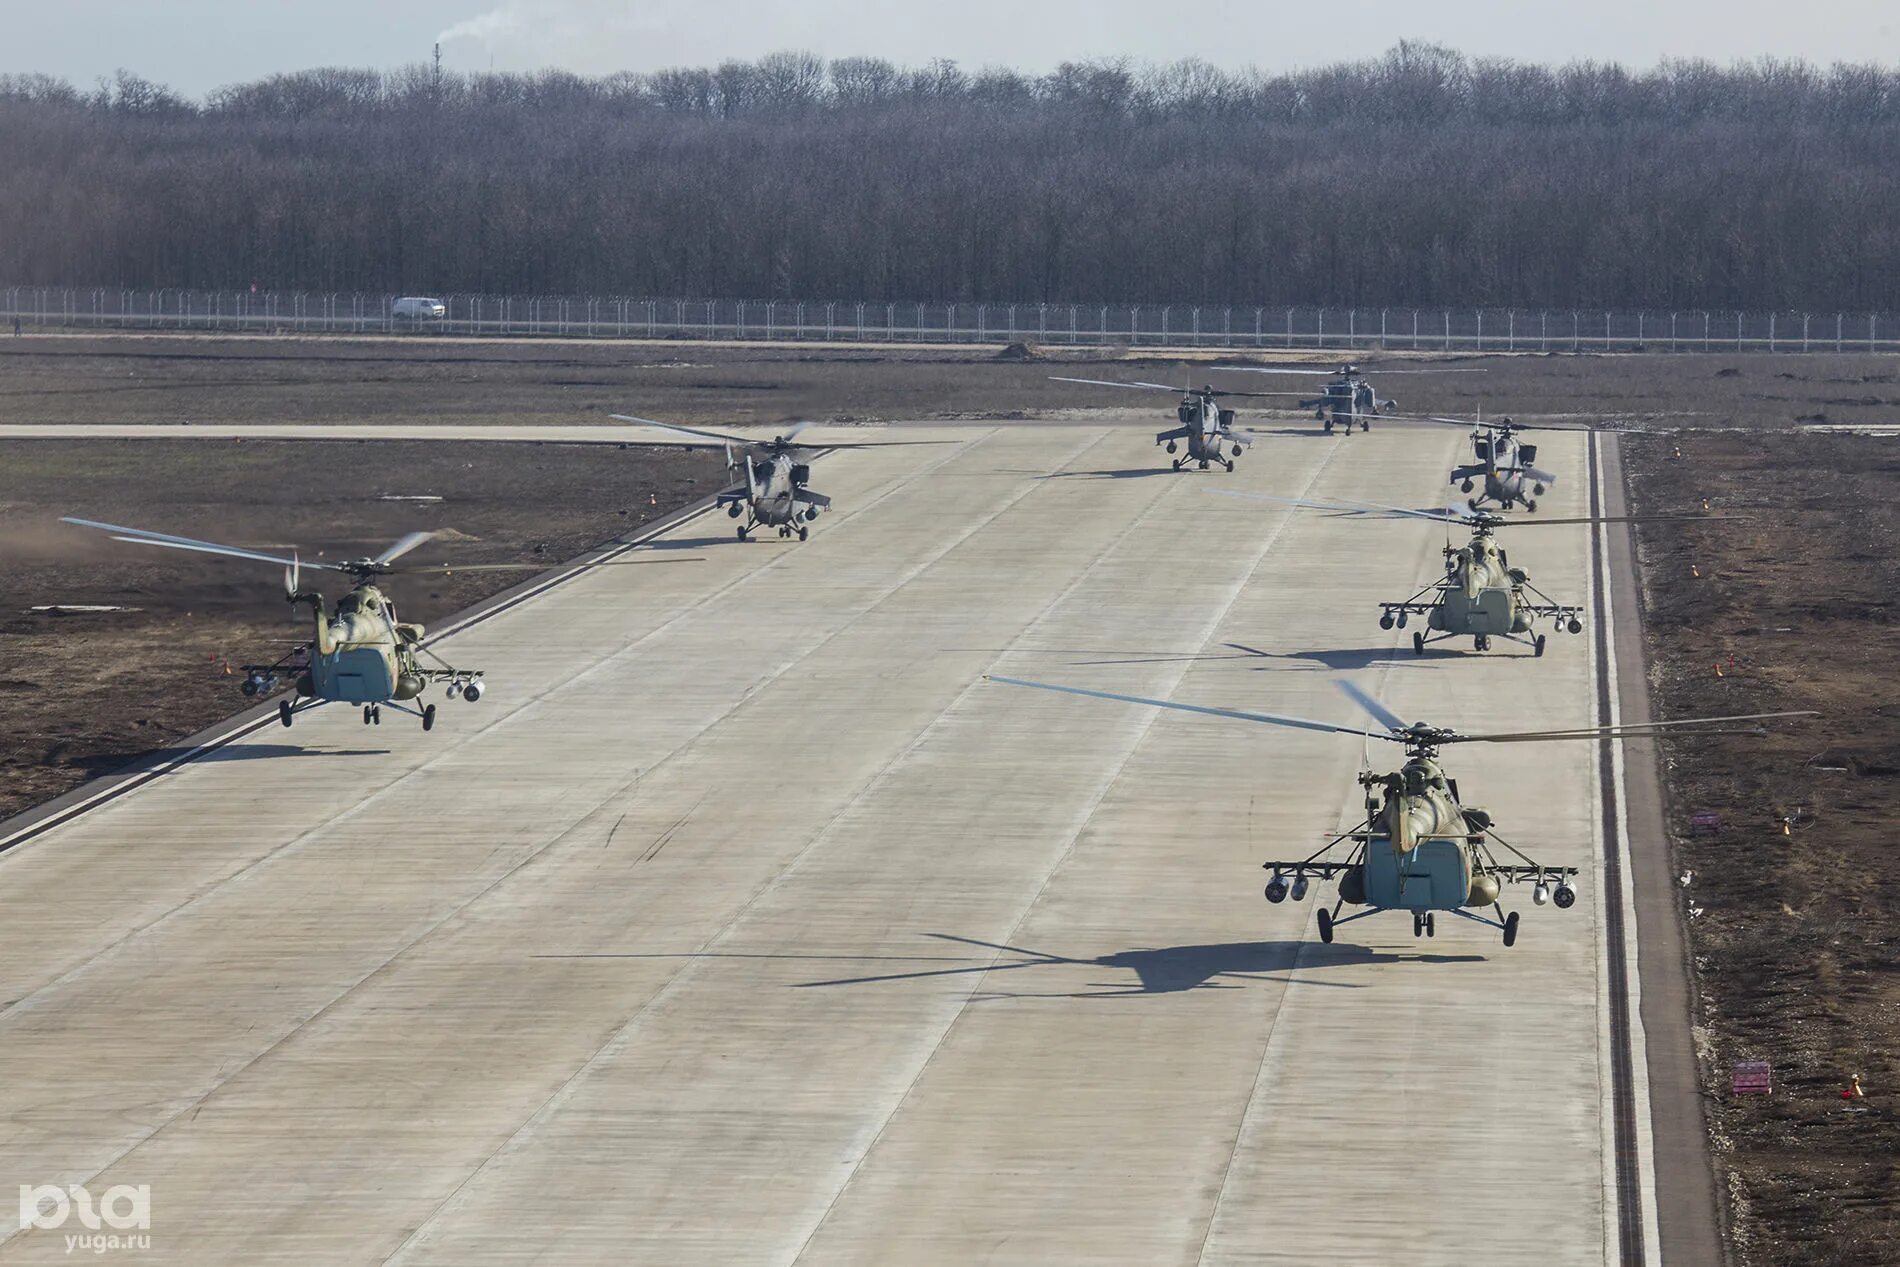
361	654
1205	428
1482	595
775	493
1344	401
1504	466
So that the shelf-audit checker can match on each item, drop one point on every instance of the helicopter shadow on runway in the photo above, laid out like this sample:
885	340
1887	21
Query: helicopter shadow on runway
1164	970
1127	473
152	758
1343	658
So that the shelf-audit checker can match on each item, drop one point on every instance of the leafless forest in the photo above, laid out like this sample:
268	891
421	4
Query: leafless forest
1421	177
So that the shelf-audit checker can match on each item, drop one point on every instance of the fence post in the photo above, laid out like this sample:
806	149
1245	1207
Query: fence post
1352	328
1672	332
1382	340
1771	332
1804	332
1414	329
1480	329
1837	331
1319	331
1543	330
1510	329
1447	329
1289	328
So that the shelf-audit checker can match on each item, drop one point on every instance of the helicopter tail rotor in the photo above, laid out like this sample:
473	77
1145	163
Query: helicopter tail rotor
292	574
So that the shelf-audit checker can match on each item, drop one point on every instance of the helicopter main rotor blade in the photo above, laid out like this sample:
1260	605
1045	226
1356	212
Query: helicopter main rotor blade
1363	369
1609	519
719	436
403	547
422	569
1371	510
1385	715
1268	369
1138	386
1271	719
1631	730
146	537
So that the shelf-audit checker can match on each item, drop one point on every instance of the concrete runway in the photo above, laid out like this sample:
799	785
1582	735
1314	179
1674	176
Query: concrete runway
744	922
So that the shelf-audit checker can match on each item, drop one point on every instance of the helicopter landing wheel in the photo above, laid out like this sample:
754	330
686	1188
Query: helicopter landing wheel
1329	426
1471	503
376	713
1418	924
428	717
1510	929
1203	464
1176	464
1537	645
803	533
1365	424
1326	926
283	711
1465	487
742	534
1230	464
366	714
1530	505
1418	644
1431	925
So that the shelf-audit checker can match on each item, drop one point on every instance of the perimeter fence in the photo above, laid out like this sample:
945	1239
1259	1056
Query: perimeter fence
784	320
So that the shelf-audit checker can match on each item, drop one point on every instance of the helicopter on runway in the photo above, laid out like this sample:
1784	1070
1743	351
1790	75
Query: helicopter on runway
1204	424
361	654
1503	463
777	473
1480	596
1348	396
1419	849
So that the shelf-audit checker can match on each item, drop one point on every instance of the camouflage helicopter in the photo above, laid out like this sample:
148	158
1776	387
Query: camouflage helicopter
1347	397
1504	464
1419	849
1204	424
775	492
362	654
1480	596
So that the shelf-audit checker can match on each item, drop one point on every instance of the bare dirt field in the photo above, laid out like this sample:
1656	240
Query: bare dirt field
1796	876
1795	945
167	379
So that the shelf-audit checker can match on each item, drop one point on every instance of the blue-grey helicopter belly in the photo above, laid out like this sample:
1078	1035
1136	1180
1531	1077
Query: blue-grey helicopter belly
1434	875
355	676
776	510
1489	613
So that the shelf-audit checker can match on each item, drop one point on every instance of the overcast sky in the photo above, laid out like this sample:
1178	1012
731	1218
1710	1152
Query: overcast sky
196	45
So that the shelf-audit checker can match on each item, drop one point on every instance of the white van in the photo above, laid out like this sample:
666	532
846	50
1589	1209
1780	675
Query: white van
417	308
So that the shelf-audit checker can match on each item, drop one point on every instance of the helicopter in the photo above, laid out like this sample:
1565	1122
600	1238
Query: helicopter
1480	596
1204	424
361	654
1504	464
777	471
1347	397
1419	849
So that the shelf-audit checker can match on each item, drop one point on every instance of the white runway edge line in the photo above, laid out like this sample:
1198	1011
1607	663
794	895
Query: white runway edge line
1631	1179
268	713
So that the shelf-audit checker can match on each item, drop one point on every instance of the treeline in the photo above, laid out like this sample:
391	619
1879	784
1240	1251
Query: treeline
1418	178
